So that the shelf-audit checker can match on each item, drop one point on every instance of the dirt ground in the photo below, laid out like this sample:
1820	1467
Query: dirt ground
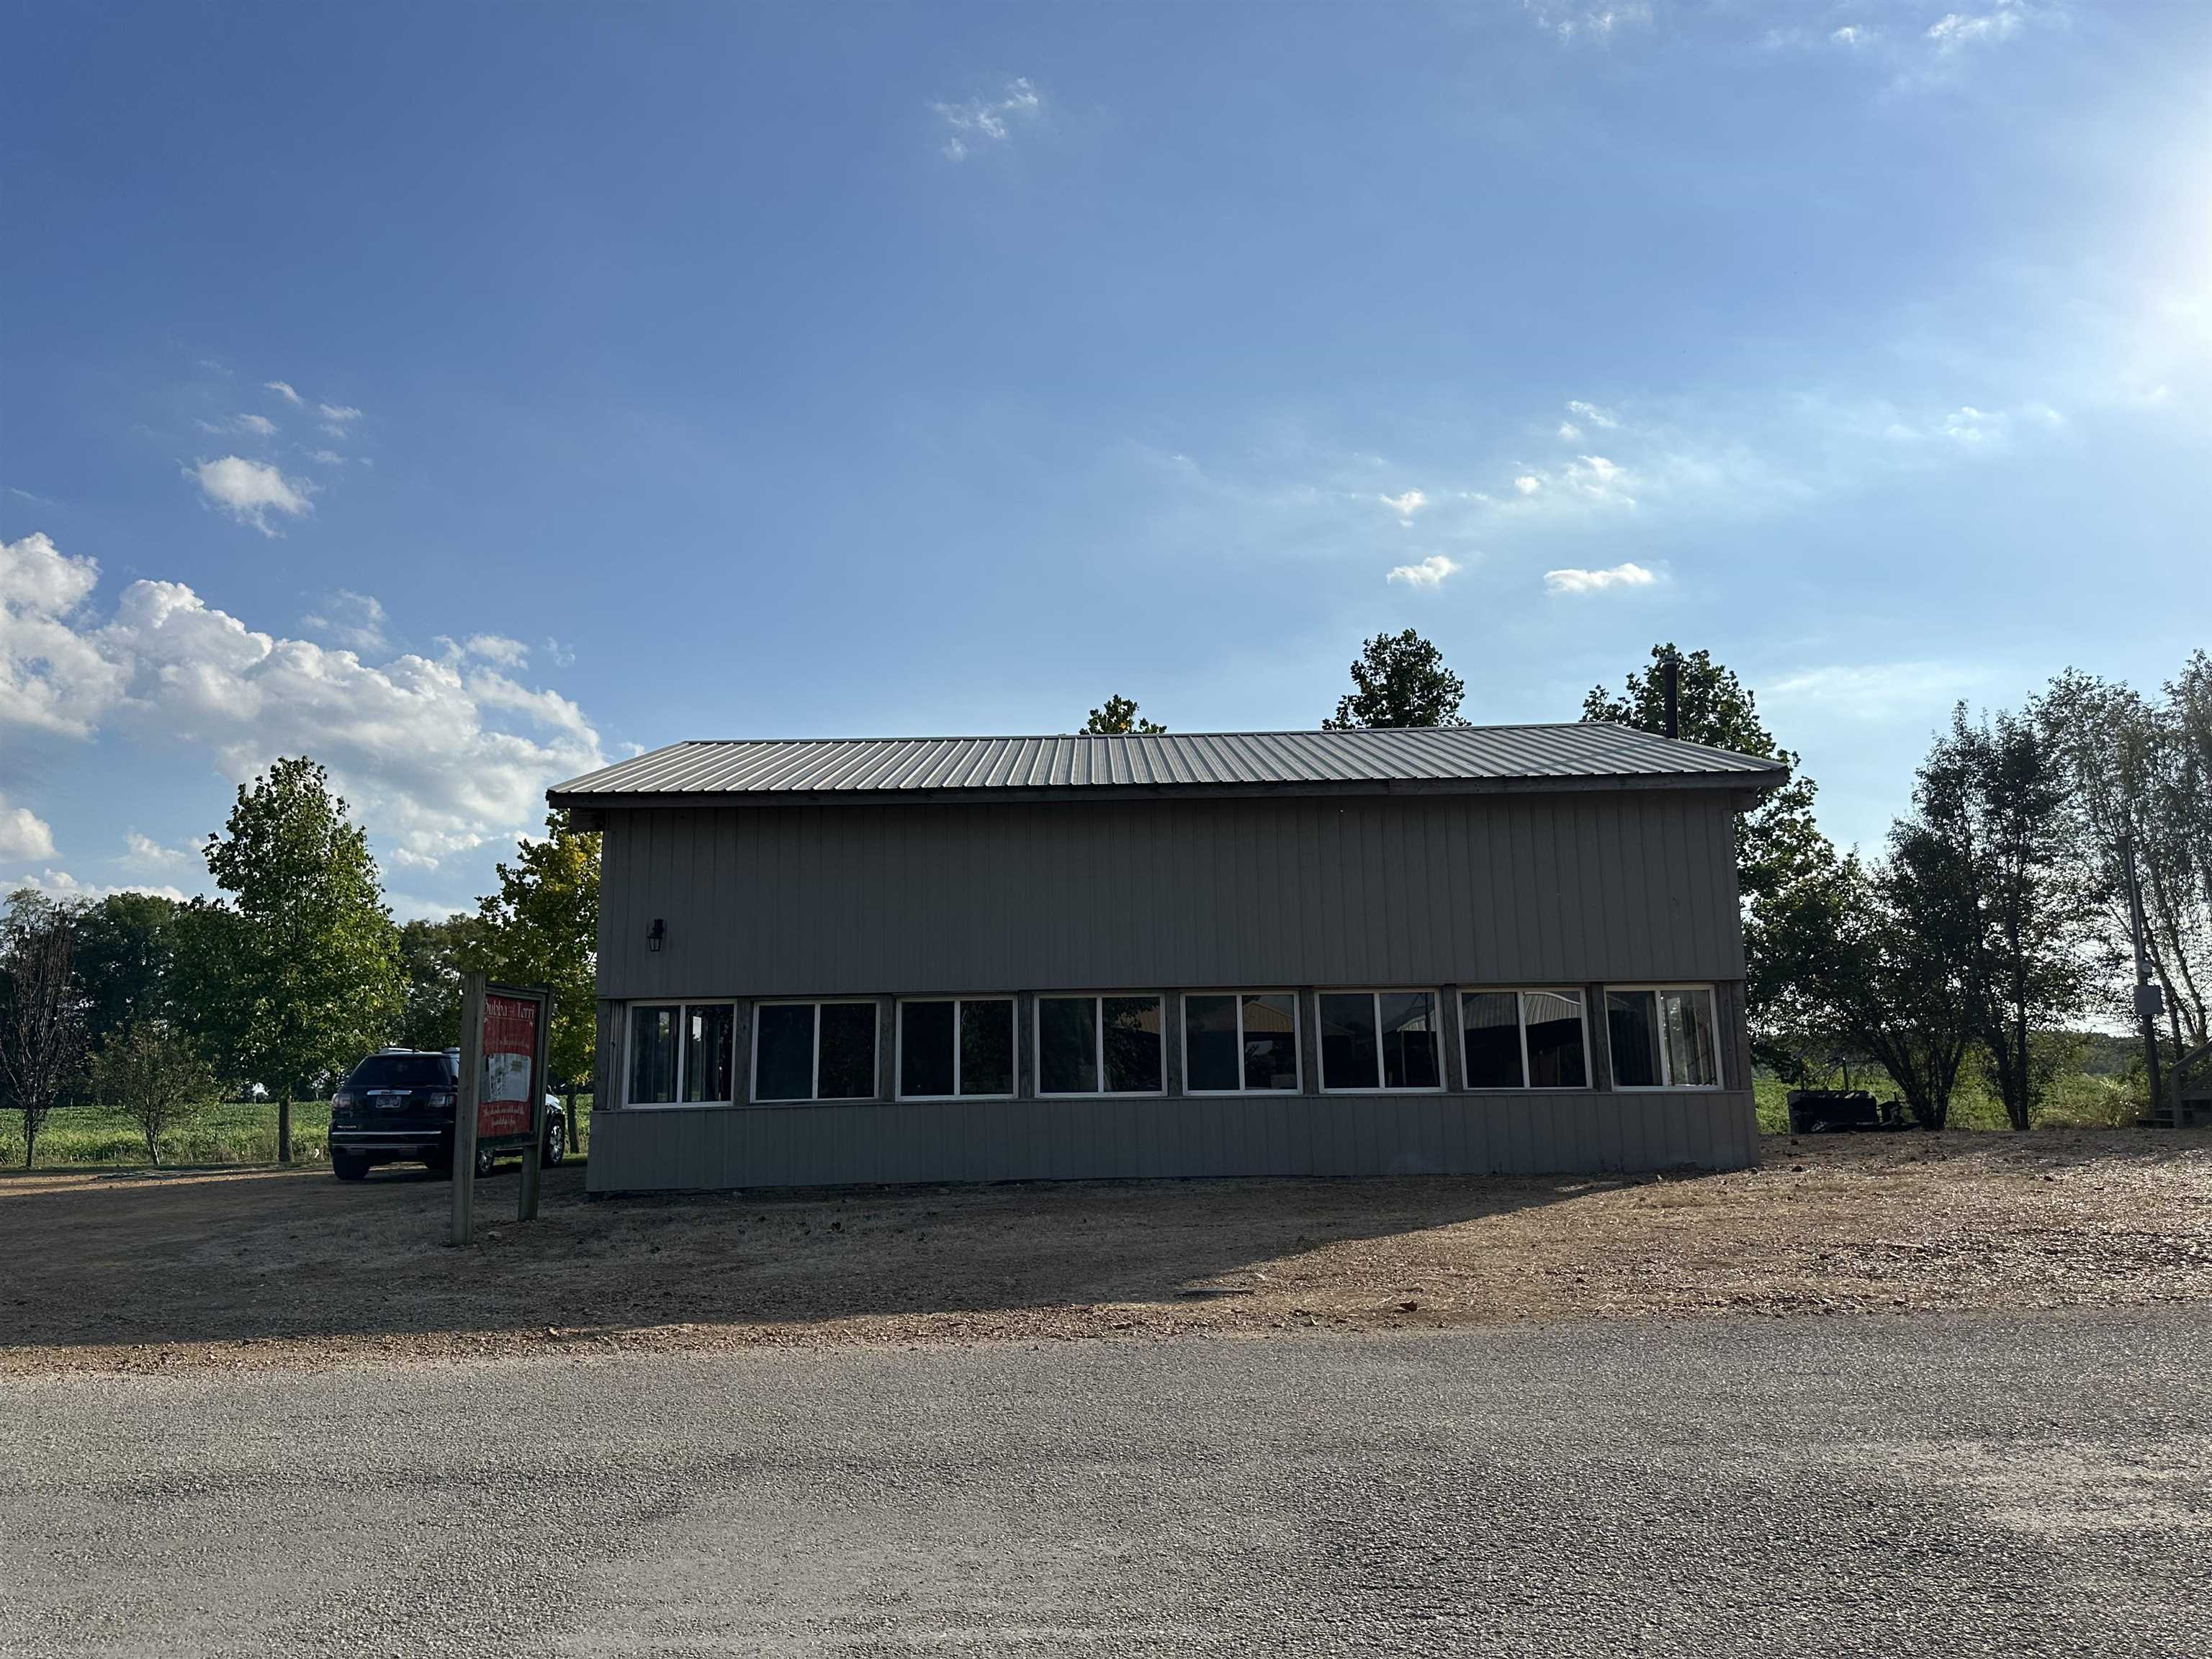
144	1272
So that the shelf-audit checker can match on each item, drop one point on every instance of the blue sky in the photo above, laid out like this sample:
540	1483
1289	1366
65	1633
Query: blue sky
465	394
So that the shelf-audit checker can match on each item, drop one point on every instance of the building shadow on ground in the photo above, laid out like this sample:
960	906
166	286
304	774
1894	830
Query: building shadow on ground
195	1257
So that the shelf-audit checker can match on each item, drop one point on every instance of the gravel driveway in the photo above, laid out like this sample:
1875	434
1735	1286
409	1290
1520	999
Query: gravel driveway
1936	1484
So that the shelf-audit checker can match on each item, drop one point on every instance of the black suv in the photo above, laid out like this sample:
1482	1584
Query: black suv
396	1107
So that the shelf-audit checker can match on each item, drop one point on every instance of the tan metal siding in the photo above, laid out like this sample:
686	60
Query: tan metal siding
926	898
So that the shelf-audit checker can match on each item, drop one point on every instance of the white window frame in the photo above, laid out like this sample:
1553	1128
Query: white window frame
1521	993
1665	1066
898	1044
1436	995
1098	1044
683	1051
1297	1038
814	1079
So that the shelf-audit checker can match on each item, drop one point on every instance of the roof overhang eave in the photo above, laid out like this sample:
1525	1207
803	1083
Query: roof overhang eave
1749	785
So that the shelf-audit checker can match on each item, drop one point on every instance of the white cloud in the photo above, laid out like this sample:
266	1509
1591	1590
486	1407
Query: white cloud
1406	505
1429	572
1593	414
251	491
23	833
284	391
1597	581
327	457
497	648
1527	483
987	120
60	884
260	424
1878	691
1956	29
1568	431
1851	34
1572	21
438	756
354	621
53	678
336	418
144	853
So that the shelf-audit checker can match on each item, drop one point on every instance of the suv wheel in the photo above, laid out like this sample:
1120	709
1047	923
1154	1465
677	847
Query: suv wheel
349	1166
557	1143
485	1159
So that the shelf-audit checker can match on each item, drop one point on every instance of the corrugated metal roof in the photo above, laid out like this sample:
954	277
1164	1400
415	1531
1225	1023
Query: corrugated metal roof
1585	754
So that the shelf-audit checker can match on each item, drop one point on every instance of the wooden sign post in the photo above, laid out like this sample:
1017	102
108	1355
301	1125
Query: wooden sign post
500	1104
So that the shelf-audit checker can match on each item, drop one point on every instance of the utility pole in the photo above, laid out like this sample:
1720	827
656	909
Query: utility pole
2149	1000
1671	680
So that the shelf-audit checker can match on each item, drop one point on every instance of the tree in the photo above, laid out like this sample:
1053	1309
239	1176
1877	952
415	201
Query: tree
432	956
42	1036
1787	872
542	927
156	1073
1989	794
299	970
125	944
1399	680
1120	714
2133	775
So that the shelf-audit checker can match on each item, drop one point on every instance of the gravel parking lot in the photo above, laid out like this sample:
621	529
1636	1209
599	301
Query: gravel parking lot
295	1268
1943	1485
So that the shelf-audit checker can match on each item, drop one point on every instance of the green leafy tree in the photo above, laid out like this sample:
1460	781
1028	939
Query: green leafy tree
297	973
432	956
125	945
1787	872
41	1011
1119	715
156	1074
542	927
2133	775
1399	680
1990	794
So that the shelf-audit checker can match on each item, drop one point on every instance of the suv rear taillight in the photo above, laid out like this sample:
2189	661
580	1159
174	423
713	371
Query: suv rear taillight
344	1100
443	1101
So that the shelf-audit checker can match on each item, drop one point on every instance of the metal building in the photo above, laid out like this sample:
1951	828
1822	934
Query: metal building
1461	949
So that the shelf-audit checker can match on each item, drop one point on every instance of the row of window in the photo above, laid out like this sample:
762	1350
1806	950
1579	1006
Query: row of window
953	1048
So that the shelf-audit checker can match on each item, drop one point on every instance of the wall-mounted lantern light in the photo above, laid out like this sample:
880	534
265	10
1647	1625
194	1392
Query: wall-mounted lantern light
657	932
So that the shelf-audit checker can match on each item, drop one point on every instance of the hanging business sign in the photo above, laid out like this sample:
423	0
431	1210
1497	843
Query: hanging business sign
508	1084
504	1032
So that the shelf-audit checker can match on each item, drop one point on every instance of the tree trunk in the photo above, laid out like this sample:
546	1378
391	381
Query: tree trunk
284	1128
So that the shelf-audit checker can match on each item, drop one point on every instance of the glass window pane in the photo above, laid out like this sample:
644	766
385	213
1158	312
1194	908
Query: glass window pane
924	1048
1633	1036
783	1060
1209	1039
987	1047
1555	1041
849	1051
1693	1060
1489	1026
708	1029
1133	1058
1349	1052
1409	1040
1270	1041
1068	1045
652	1041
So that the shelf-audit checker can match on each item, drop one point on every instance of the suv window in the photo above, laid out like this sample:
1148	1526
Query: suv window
401	1072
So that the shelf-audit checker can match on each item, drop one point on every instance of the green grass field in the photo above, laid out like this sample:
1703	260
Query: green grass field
225	1132
2077	1100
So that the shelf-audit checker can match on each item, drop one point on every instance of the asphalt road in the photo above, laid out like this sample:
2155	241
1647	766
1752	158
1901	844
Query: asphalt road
1929	1484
